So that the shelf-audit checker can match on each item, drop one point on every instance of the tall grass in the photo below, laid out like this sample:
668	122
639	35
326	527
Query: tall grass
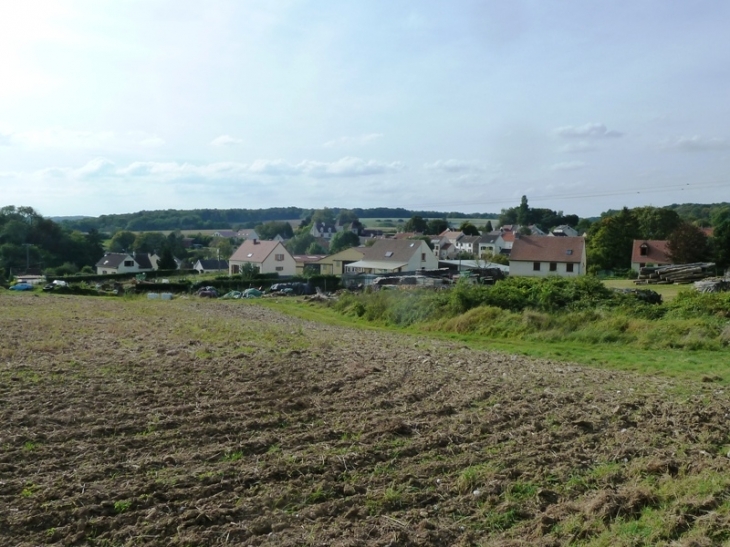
552	310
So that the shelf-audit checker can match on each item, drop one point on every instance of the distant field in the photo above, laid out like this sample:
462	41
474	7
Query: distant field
668	292
395	223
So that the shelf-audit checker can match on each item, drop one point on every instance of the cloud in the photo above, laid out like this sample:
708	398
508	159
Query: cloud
101	168
697	144
587	131
348	167
226	140
454	166
568	166
59	137
152	142
6	139
356	141
96	168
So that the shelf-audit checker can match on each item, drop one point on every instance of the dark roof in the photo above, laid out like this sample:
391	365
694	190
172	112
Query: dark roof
392	250
213	264
111	260
547	249
143	259
491	237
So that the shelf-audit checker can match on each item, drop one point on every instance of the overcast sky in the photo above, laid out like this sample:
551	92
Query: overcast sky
582	105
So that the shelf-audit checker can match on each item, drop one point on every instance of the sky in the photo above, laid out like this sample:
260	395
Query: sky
581	105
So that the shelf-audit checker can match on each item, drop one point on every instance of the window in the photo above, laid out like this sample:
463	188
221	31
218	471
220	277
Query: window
641	265
553	266
279	258
569	267
423	257
129	263
535	266
389	254
644	250
280	268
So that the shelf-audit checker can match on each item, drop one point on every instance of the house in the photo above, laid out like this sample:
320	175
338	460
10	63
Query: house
267	256
323	229
114	263
539	256
302	261
249	233
564	231
444	245
508	239
468	244
394	255
491	243
335	264
211	265
645	252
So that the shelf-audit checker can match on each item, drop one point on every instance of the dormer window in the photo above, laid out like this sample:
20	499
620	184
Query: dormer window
644	249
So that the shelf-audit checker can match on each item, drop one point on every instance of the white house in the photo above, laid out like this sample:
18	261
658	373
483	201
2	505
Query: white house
210	265
394	255
267	256
539	256
113	263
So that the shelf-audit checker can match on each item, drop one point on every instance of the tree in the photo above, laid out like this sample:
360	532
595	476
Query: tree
656	222
316	249
611	241
687	244
325	215
122	242
435	226
467	228
488	226
248	270
223	247
415	224
149	242
343	240
346	217
269	230
523	212
299	243
721	244
167	260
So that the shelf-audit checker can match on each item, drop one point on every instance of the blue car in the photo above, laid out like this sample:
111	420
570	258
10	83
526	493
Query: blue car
22	287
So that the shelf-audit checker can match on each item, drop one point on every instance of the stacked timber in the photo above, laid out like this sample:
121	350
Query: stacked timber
679	273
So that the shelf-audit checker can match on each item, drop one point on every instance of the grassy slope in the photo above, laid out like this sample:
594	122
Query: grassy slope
708	365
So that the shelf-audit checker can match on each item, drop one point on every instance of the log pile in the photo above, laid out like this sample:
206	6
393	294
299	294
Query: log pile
713	284
675	274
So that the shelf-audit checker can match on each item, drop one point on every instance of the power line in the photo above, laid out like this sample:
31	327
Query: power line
647	190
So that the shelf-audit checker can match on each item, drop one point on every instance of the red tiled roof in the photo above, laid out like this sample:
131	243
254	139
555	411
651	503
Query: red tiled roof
657	252
547	249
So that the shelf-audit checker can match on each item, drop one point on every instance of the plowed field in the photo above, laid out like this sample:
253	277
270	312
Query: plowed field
188	422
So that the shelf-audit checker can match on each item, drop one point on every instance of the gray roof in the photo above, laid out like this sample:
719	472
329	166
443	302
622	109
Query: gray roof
392	250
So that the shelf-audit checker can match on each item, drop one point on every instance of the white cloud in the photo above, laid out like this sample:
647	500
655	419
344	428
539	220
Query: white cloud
226	140
587	131
568	166
152	142
454	166
353	141
348	167
102	168
96	168
697	144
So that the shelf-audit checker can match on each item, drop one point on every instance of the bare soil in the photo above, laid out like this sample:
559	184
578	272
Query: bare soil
135	422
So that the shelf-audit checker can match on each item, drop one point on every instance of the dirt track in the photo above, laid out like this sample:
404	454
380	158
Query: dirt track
201	422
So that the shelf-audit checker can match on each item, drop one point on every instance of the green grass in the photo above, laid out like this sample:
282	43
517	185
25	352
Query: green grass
668	292
694	364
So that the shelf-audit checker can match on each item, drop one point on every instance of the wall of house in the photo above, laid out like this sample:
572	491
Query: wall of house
415	263
283	267
525	268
